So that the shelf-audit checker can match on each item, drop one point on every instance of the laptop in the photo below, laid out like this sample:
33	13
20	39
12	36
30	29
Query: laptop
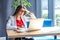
36	24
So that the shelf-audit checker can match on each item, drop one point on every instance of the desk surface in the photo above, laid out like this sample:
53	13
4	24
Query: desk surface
14	34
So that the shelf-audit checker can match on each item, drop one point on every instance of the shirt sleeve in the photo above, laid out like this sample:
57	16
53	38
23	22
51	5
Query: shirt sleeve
32	15
9	24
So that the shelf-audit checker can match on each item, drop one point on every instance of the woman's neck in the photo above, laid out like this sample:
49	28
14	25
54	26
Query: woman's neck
18	17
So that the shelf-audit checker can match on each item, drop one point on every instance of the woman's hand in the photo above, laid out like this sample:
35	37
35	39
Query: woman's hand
20	27
27	12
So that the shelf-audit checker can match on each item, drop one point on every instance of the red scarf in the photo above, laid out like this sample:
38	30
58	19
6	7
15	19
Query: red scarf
20	23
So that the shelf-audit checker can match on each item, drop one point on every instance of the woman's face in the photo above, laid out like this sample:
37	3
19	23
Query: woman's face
21	12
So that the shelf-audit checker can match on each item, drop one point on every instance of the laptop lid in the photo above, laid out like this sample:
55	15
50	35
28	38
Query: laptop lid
36	24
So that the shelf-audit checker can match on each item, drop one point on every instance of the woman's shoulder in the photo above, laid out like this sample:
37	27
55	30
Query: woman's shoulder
11	17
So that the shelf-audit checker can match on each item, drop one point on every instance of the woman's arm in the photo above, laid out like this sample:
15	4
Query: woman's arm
9	24
32	16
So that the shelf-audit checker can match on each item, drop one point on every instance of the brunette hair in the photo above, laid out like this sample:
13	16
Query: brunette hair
18	9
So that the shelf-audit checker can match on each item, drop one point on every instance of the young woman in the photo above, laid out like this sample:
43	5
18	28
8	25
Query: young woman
18	19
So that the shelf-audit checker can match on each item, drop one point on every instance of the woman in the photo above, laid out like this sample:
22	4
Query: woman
18	19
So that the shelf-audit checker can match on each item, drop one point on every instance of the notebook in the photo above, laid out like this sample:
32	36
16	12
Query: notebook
35	24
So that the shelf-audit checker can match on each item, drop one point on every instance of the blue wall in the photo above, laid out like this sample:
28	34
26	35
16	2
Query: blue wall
3	18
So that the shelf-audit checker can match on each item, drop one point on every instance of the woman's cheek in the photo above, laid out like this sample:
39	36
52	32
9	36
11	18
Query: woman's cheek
20	13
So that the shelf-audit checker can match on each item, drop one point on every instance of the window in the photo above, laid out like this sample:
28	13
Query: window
44	8
57	12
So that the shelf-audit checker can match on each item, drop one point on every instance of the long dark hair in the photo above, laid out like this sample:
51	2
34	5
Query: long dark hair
18	9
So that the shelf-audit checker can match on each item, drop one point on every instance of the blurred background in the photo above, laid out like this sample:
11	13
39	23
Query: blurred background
48	9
